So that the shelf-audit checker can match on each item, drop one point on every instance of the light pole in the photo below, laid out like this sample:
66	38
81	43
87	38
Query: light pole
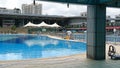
85	32
114	30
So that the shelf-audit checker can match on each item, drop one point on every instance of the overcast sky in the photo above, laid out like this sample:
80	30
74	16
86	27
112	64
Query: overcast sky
50	8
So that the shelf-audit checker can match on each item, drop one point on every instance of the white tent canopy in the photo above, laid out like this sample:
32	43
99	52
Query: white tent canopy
43	24
30	24
55	25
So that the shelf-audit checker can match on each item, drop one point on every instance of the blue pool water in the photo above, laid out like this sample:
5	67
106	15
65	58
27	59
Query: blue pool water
20	47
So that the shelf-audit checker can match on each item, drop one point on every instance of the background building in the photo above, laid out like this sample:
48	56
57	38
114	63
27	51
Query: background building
9	22
10	17
32	8
10	11
83	14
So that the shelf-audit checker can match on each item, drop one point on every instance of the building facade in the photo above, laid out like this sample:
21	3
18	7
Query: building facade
32	9
83	14
77	24
10	11
19	20
9	22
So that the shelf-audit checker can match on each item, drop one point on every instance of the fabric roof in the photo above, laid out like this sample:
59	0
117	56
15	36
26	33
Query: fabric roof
55	25
43	24
30	24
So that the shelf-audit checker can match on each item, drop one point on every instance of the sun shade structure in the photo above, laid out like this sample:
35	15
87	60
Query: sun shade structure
55	25
43	24
30	24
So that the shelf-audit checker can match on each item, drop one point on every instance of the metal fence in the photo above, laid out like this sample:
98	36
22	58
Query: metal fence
82	37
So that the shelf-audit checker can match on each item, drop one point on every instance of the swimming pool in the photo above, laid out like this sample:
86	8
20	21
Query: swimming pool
21	47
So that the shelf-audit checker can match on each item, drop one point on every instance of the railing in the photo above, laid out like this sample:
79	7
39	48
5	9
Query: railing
82	37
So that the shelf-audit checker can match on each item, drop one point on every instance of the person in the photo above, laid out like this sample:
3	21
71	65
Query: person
68	35
112	53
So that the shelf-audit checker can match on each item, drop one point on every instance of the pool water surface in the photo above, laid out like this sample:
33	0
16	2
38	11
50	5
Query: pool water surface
21	47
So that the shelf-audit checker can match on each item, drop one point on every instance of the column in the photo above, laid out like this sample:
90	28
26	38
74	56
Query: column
23	22
96	32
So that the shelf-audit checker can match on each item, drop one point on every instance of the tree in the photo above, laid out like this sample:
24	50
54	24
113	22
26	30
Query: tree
13	28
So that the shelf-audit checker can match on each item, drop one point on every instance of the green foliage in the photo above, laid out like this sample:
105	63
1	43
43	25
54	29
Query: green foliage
13	28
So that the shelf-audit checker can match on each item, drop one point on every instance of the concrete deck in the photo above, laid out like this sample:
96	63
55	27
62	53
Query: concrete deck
74	61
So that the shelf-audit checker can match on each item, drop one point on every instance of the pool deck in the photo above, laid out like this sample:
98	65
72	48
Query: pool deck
74	61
